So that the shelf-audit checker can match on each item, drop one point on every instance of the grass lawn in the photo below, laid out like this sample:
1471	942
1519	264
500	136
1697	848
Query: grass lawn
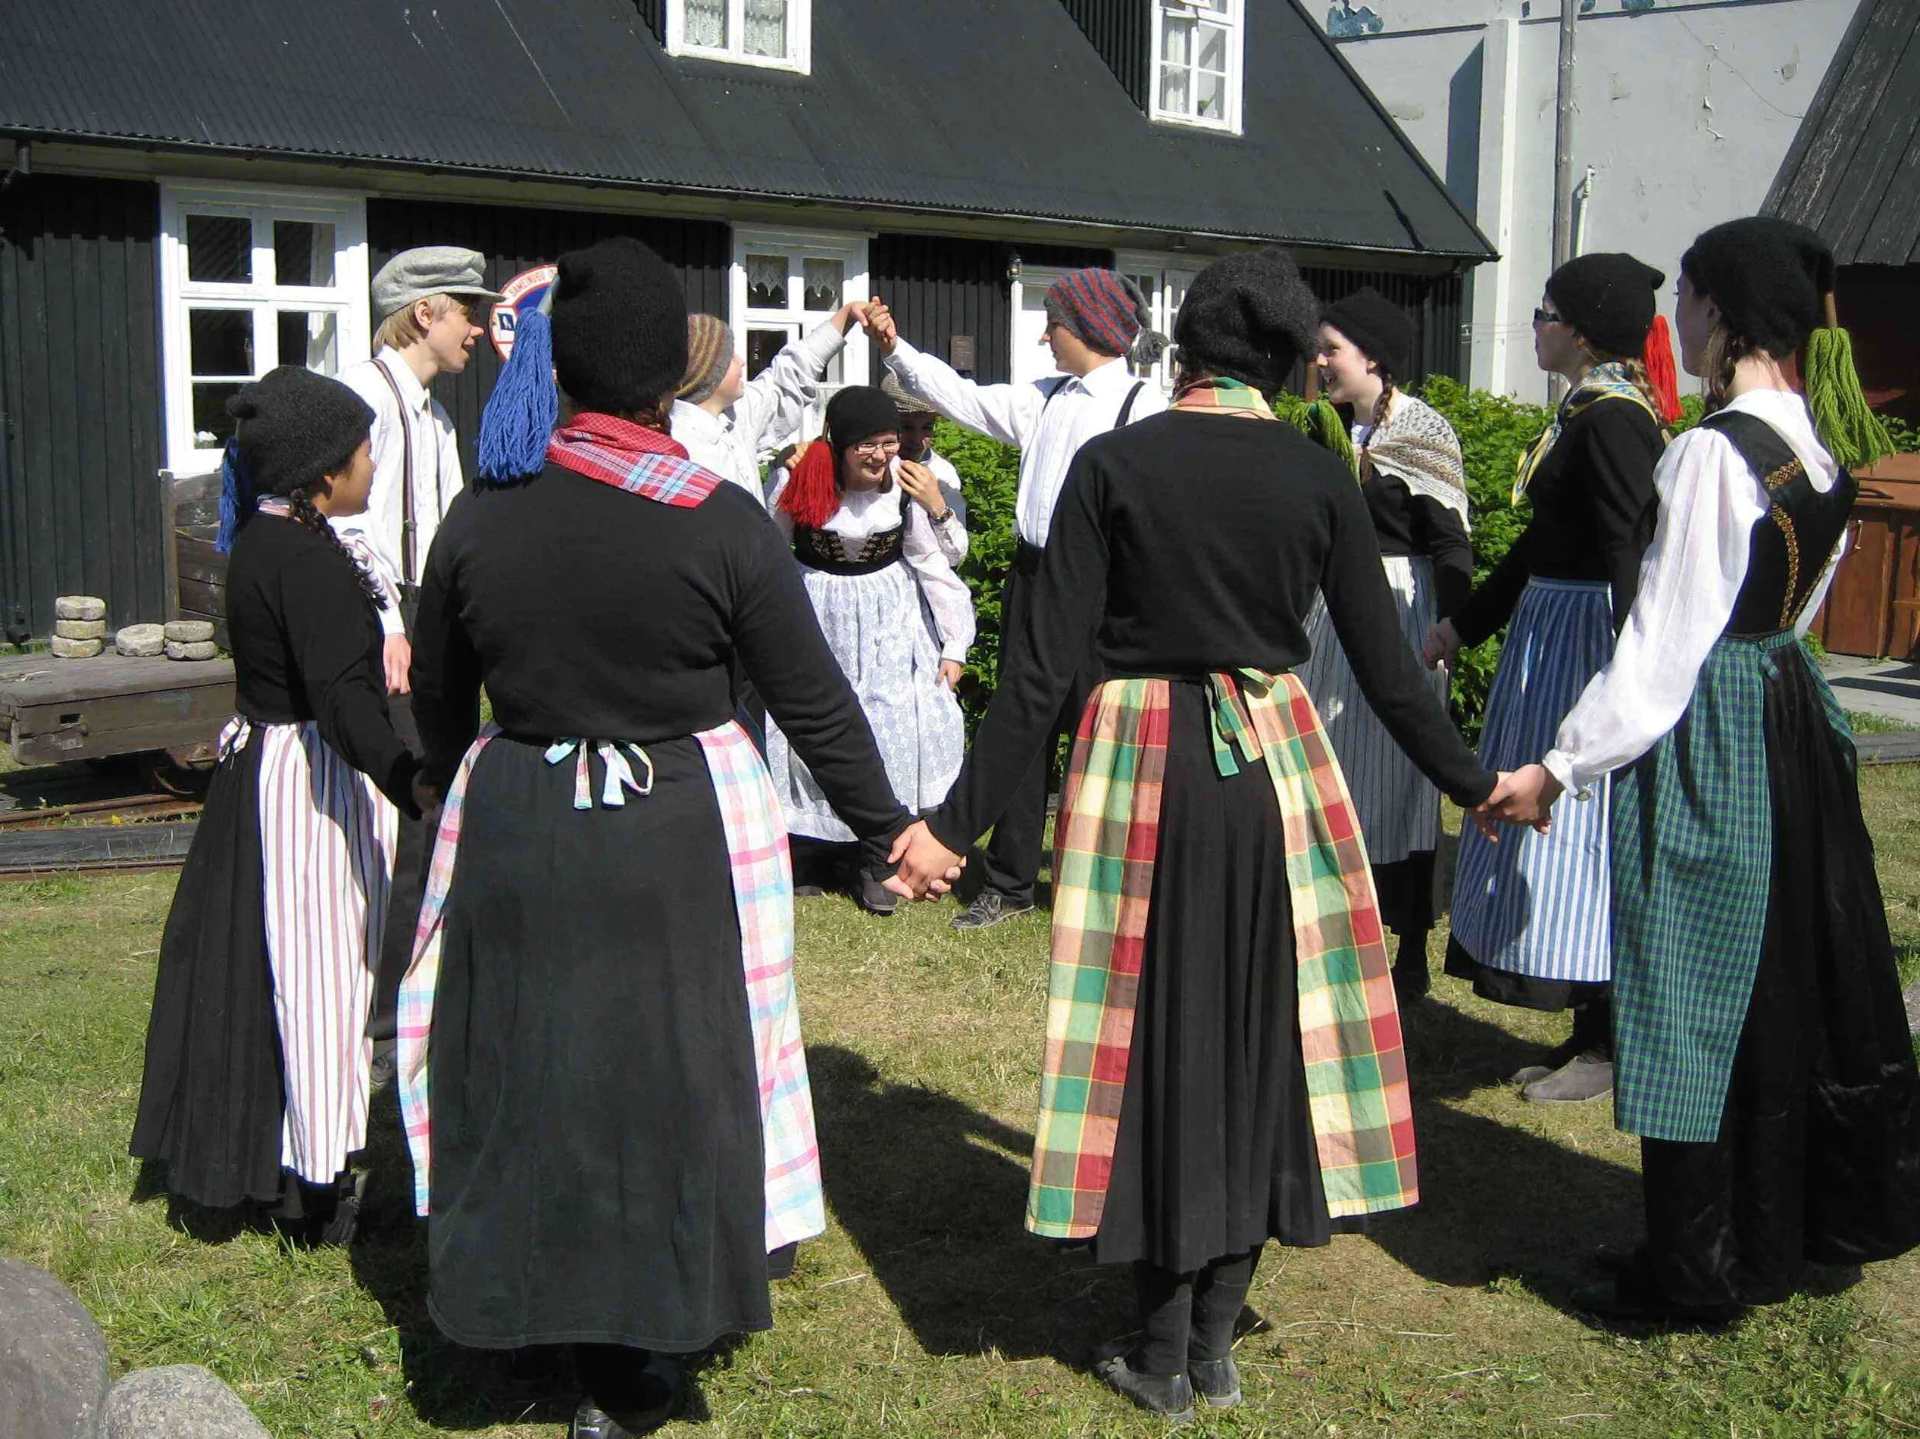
926	1310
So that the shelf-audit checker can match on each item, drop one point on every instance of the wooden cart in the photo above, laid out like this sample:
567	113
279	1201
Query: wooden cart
1873	608
55	709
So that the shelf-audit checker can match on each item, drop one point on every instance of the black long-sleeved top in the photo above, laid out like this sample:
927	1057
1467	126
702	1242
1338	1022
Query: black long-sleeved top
1594	510
306	646
1407	523
1194	543
591	613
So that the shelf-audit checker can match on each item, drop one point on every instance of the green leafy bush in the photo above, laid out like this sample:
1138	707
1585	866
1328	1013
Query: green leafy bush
990	481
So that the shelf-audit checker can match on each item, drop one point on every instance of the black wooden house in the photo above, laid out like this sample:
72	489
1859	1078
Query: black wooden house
197	190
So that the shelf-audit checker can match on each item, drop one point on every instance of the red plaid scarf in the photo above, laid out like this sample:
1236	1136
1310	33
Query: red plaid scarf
631	457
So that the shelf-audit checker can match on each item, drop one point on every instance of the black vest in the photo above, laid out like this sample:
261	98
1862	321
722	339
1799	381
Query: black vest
823	550
1791	545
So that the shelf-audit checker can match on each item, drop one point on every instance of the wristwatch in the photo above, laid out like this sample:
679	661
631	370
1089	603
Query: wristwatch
943	516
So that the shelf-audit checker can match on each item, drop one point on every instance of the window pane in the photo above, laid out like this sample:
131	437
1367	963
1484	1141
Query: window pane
1218	6
310	338
767	282
302	253
825	280
1174	89
220	342
766	28
212	425
707	23
220	249
1212	90
762	346
1213	49
1176	41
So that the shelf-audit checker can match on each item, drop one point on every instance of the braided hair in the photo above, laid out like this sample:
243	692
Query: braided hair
303	510
1379	417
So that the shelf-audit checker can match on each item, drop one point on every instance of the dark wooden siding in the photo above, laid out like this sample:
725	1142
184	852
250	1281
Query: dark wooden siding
1121	30
939	288
653	14
80	351
1436	302
514	238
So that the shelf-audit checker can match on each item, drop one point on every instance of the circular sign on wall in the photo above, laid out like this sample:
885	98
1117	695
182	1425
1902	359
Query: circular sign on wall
519	296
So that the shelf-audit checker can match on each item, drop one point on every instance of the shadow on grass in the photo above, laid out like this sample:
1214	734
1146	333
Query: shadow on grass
932	1191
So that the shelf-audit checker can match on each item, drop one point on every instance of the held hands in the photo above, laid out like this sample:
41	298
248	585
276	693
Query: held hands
927	867
1442	645
1522	796
879	325
851	314
396	659
918	481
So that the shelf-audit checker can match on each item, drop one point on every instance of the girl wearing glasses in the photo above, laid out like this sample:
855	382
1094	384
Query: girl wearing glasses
895	614
1530	915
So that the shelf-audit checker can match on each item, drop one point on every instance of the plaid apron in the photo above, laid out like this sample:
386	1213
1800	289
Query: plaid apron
763	899
1107	836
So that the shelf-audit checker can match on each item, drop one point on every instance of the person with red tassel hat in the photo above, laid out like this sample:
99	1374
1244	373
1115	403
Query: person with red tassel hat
1530	923
896	616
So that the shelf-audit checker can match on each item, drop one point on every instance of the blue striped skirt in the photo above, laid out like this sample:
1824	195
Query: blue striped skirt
1539	904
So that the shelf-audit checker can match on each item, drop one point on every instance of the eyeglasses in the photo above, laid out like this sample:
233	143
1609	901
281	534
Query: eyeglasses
874	449
1547	317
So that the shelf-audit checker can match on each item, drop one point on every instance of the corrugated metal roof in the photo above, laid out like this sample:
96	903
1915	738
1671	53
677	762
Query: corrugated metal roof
1853	173
995	107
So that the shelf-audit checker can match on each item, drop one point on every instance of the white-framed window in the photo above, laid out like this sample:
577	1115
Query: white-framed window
251	278
1199	62
774	33
1164	280
784	283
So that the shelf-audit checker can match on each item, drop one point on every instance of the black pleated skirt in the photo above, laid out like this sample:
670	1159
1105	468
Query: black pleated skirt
597	1171
1215	1151
213	1095
1818	1155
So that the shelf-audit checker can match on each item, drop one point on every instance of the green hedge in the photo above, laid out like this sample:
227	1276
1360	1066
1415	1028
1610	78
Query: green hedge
1493	432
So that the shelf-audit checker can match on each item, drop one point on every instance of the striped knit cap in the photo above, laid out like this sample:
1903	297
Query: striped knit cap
709	352
1105	309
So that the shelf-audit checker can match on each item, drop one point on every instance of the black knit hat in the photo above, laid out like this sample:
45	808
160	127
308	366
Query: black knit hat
859	412
1768	278
1248	317
619	327
1609	298
295	426
1380	329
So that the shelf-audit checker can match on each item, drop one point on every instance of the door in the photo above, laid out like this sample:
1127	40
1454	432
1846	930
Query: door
1032	360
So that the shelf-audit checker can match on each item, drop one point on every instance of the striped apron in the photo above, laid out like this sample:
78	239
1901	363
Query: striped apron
1398	806
756	837
327	838
1539	904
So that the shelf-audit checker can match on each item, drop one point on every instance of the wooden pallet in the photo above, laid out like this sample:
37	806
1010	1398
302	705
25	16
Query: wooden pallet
111	704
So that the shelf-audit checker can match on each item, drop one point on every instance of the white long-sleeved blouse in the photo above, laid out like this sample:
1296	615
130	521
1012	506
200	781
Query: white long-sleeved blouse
1710	500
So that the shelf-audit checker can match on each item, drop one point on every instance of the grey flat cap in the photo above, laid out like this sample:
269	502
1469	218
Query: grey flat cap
428	271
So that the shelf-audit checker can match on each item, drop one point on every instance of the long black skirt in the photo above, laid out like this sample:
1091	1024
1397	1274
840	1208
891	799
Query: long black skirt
597	1168
1818	1154
213	1095
1215	1151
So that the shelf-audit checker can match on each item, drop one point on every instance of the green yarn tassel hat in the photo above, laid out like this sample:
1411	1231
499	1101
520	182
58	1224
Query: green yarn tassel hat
1851	432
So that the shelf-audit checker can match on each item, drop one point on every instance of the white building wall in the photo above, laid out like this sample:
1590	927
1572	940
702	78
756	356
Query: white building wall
1683	111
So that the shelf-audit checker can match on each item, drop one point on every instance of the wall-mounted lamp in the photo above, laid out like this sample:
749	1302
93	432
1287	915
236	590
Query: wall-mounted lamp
1013	265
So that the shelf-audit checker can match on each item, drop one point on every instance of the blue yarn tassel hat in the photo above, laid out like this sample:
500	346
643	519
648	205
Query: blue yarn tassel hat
238	498
523	408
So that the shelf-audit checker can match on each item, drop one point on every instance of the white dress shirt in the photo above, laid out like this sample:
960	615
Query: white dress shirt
765	417
864	513
1710	500
424	425
951	533
1049	434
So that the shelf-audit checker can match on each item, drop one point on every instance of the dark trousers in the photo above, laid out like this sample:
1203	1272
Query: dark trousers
1189	1317
412	854
1011	863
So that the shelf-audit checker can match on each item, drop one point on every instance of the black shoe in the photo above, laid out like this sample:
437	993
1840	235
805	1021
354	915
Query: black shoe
808	891
386	1057
1553	1060
874	897
662	1388
1168	1395
339	1230
1215	1380
1411	983
989	908
1617	1258
1624	1299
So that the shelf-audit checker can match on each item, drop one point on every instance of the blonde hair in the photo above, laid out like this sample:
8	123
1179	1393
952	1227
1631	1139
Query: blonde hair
402	328
1718	357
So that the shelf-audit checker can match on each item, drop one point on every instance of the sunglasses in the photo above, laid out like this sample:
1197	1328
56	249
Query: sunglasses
1547	317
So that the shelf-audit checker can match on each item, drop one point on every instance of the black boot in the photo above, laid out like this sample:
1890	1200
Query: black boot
1410	978
1168	1395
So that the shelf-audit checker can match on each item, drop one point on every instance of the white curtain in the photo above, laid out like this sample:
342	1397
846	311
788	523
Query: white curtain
707	23
767	28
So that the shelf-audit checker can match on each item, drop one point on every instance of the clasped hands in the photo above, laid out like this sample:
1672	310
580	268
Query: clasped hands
926	869
1521	796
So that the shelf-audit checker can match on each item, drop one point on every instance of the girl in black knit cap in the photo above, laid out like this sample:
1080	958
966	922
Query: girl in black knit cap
1530	915
617	1146
1217	951
1762	1049
257	1080
1416	491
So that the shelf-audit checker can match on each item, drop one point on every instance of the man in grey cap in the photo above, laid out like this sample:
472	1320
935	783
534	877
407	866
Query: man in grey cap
428	303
